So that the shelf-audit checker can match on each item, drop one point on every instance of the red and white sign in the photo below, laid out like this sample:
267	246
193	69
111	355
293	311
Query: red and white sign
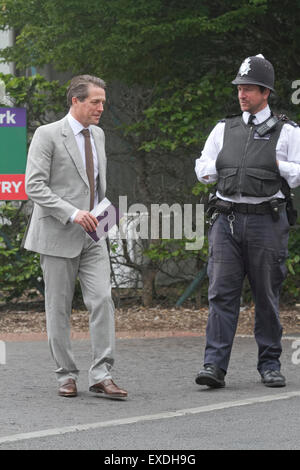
12	188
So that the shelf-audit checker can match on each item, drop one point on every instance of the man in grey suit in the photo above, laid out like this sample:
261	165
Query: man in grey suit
65	178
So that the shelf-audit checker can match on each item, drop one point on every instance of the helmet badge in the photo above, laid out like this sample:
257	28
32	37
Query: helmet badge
245	67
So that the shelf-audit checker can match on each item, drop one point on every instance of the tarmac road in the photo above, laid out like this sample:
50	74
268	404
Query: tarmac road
166	409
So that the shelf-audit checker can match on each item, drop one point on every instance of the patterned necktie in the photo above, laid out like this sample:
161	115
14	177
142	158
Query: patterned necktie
89	162
251	119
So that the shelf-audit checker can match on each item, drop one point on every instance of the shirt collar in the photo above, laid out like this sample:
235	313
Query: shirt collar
261	116
76	126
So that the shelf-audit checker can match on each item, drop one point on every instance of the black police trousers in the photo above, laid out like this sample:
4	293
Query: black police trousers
257	248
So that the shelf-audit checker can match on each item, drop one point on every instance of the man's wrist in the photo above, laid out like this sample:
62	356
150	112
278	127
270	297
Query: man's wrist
73	216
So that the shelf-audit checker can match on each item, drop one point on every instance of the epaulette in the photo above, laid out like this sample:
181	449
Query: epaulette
230	116
271	123
292	123
287	120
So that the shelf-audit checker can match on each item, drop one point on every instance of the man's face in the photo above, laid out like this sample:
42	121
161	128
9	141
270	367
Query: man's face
89	111
252	99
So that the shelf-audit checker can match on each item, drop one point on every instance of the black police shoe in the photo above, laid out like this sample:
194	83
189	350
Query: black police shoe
212	376
272	378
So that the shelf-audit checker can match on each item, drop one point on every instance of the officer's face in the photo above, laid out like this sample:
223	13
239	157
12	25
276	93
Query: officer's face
252	99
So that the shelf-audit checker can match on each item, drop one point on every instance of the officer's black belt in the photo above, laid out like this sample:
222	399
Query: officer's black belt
262	208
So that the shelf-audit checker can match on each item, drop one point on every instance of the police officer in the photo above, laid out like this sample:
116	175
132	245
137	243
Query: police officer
249	156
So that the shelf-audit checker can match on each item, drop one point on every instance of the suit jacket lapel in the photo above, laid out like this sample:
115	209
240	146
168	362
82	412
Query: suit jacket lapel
73	150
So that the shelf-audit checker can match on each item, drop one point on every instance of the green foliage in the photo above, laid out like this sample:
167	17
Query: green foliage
20	271
146	41
291	287
186	52
200	189
171	249
171	258
41	98
181	115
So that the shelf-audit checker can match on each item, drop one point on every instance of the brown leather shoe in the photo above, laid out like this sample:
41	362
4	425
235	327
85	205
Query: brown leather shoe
109	389
68	389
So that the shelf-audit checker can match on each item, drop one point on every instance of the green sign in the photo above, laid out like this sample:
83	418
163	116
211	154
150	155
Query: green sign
13	151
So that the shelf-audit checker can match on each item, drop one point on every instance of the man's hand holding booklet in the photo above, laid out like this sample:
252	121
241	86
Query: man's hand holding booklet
107	215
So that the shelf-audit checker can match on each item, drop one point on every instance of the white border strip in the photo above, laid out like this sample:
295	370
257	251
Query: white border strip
153	417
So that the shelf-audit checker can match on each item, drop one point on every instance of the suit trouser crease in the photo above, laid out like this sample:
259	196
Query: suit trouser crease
258	250
93	270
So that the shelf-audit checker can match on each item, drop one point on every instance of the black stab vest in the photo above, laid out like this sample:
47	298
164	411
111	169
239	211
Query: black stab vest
246	164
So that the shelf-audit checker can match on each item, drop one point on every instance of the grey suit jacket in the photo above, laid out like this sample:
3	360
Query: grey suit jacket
57	183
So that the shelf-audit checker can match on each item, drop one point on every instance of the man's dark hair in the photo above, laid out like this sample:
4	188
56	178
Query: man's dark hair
263	88
79	87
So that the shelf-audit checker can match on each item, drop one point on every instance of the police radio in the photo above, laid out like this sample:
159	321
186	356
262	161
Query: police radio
269	125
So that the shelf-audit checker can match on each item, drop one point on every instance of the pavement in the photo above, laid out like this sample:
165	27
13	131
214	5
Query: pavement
166	411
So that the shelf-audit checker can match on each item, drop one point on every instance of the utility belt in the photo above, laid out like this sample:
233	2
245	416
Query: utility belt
273	207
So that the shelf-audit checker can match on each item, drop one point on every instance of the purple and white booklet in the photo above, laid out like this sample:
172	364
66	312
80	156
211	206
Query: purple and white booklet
108	216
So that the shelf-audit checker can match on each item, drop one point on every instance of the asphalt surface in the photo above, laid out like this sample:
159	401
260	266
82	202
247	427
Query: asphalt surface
165	410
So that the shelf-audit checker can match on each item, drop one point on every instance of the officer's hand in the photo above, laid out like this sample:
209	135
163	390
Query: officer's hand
86	220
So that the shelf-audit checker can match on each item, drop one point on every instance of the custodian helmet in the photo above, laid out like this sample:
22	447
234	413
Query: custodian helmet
256	70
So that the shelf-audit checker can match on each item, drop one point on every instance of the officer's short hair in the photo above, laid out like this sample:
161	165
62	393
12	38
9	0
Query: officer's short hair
263	88
79	87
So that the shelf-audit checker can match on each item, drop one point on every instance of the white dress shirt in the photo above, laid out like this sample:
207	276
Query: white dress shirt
287	154
77	127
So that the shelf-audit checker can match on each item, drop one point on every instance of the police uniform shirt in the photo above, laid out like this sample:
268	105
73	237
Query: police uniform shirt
287	154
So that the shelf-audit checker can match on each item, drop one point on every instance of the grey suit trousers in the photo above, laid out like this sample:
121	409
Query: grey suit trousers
92	267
